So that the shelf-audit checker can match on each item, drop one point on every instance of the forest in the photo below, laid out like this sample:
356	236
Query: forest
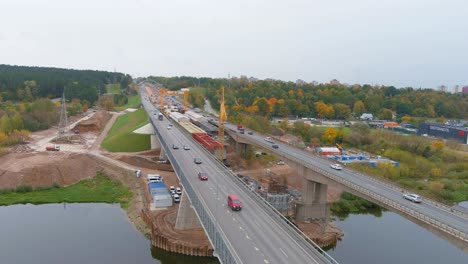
329	101
23	83
25	94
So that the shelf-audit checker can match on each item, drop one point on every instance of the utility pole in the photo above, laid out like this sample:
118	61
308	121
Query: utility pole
63	131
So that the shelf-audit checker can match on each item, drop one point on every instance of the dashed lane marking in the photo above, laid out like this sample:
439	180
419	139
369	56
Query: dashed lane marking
283	252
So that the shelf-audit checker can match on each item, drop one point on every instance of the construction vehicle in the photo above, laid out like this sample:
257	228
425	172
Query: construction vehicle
53	148
339	147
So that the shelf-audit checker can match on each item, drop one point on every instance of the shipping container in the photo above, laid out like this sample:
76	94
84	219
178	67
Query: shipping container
159	193
207	141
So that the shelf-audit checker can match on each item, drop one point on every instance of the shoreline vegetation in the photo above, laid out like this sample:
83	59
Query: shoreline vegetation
98	189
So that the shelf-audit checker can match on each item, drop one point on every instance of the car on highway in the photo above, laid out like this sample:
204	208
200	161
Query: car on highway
412	197
197	161
234	203
174	146
186	147
336	166
176	198
280	162
169	127
203	176
250	133
268	139
275	146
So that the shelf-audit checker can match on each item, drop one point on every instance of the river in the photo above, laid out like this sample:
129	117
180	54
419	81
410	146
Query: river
76	234
102	233
391	238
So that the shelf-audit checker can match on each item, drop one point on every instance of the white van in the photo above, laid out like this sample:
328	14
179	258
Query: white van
154	178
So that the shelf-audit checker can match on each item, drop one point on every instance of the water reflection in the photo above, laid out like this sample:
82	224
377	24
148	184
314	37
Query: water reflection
77	233
172	258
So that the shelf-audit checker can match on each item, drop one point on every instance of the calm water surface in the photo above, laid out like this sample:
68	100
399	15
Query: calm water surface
77	233
391	239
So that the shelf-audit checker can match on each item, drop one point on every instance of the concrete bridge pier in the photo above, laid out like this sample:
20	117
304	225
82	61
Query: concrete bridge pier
186	216
313	205
242	149
155	144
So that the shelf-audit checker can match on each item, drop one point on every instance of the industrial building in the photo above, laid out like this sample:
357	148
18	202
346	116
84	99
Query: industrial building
444	131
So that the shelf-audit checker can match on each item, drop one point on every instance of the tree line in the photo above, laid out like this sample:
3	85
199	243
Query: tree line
331	101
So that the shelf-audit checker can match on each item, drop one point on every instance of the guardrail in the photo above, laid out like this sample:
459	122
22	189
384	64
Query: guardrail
216	236
395	187
416	214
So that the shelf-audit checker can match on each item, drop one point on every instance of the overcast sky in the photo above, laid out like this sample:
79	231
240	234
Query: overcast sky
419	43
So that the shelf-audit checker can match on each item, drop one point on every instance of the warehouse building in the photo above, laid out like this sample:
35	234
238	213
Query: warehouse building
444	131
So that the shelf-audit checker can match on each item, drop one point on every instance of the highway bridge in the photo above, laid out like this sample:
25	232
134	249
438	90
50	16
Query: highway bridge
318	174
257	233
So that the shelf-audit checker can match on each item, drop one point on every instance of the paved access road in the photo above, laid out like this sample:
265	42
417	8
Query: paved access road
427	208
252	234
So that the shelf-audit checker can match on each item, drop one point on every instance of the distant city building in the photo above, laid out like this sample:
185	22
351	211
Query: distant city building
334	82
465	90
456	89
367	116
444	131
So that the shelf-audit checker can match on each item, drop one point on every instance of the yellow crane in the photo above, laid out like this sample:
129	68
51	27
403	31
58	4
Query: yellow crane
162	92
186	94
221	119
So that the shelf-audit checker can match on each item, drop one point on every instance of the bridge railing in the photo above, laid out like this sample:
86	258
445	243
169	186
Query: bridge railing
223	250
395	187
415	213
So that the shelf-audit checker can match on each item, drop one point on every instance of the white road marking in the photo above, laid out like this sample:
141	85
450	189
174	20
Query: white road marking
283	252
256	222
256	249
266	261
234	219
240	227
247	237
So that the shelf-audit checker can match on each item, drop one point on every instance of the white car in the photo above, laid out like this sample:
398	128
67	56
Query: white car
280	162
178	191
172	188
412	197
186	147
176	198
336	166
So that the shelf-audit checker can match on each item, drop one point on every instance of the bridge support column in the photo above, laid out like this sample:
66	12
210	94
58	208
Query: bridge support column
186	217
313	205
155	142
162	155
242	149
223	152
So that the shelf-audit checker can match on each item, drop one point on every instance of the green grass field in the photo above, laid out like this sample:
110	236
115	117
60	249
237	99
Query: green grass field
121	137
113	88
97	189
133	102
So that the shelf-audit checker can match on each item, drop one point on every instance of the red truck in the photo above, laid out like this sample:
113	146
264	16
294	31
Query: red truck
239	127
53	148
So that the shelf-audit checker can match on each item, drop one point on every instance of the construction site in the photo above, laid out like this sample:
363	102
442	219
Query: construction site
80	156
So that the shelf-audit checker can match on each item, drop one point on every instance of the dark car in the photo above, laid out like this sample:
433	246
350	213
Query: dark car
203	176
197	161
275	146
174	146
250	133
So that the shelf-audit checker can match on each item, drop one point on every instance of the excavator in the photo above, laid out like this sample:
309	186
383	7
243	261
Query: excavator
339	147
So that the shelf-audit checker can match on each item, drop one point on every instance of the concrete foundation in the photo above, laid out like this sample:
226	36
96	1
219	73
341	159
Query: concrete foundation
155	142
186	217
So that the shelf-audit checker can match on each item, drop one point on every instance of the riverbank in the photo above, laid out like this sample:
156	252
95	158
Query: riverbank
98	189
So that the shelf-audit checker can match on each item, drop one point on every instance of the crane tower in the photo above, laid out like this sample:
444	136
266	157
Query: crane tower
221	119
